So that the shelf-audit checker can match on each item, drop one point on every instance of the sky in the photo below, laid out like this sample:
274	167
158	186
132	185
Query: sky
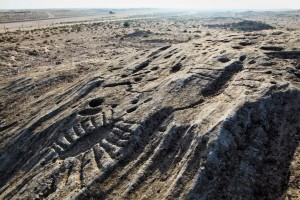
178	4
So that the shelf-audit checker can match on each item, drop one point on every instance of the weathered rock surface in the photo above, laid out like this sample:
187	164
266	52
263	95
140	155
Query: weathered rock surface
170	123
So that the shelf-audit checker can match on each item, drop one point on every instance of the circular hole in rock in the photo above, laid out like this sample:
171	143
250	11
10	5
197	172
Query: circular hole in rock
176	68
243	57
137	79
96	102
154	68
162	128
268	72
130	110
134	101
252	62
223	59
114	105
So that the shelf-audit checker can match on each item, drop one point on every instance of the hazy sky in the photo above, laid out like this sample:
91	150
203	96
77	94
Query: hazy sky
195	4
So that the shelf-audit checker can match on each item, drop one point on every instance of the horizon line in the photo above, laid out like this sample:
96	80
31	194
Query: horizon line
158	8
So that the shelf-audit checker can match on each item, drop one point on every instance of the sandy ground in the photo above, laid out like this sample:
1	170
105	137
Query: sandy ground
52	20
